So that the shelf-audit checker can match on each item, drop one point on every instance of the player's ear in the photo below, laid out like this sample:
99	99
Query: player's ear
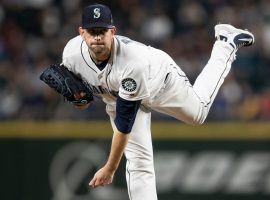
81	31
113	29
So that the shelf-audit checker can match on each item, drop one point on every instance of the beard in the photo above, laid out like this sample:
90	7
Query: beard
99	49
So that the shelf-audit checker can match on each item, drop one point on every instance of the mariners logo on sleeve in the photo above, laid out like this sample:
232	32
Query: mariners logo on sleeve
129	84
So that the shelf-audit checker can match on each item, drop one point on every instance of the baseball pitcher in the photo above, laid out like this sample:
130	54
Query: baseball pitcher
133	79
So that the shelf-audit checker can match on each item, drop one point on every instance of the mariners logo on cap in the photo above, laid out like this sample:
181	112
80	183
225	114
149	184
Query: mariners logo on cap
96	13
129	84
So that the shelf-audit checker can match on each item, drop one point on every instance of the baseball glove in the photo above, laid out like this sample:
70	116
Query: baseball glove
67	84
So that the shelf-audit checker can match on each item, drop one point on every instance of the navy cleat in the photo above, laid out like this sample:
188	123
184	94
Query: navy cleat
235	37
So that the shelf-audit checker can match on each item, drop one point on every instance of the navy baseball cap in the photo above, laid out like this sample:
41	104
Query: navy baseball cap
97	16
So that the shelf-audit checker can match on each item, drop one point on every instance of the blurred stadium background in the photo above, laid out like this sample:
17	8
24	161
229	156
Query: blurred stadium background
47	146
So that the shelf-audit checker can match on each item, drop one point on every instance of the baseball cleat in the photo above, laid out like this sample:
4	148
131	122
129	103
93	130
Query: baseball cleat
235	37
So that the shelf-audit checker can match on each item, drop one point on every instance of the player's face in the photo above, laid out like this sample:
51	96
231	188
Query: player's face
99	41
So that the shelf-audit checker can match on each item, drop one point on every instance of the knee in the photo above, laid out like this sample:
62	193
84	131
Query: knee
196	121
200	117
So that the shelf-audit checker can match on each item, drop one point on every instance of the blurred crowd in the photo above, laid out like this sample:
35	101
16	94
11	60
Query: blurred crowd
34	32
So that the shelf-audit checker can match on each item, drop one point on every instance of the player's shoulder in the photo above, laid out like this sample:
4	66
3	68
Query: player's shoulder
73	46
131	50
129	43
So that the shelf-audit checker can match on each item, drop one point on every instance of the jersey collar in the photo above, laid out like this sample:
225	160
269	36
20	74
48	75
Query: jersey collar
90	62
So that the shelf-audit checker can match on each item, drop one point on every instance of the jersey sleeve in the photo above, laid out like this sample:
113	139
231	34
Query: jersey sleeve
69	52
133	86
67	60
126	112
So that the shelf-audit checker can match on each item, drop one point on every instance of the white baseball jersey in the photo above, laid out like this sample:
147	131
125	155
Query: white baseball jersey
139	72
134	71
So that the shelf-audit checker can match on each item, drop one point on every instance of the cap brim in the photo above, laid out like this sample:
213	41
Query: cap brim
97	25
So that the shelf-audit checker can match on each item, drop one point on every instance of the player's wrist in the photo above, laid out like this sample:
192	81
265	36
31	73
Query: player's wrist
110	167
